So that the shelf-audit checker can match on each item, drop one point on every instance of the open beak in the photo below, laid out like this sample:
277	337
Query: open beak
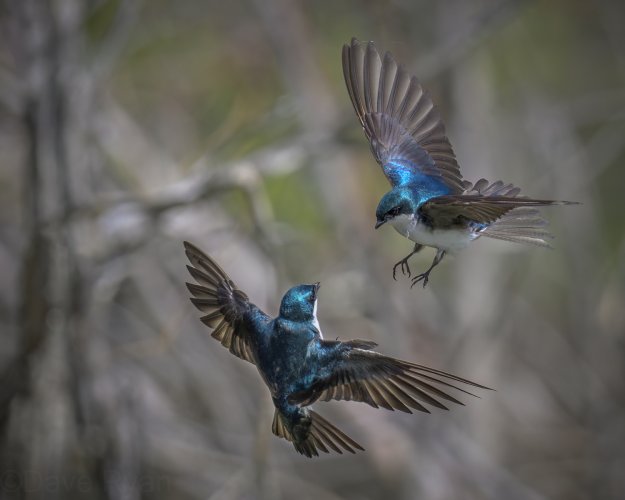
380	223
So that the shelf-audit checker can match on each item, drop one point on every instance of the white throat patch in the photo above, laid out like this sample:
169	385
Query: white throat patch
315	320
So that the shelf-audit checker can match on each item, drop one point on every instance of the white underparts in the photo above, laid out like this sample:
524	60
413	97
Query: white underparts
450	240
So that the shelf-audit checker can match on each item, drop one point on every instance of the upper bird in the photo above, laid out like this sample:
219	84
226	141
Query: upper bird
299	366
429	202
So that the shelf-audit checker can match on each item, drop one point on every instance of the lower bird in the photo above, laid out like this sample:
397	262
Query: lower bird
300	367
429	203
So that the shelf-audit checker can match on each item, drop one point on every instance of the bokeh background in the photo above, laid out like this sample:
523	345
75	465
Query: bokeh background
128	126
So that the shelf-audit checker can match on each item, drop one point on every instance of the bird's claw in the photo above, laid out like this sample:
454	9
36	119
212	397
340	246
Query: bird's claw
405	268
421	277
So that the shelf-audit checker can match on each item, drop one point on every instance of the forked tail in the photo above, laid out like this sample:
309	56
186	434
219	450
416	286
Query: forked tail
522	224
310	433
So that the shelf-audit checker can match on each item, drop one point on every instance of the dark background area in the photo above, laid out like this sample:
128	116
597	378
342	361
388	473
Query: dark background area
127	127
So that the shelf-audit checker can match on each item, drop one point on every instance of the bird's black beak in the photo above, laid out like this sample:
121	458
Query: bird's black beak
380	223
316	287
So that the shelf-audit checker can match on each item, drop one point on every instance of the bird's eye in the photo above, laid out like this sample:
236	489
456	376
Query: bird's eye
394	211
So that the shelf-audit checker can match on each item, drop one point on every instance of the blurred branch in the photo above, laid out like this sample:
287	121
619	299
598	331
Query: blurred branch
11	95
245	176
611	13
291	37
111	46
452	47
125	142
45	42
34	301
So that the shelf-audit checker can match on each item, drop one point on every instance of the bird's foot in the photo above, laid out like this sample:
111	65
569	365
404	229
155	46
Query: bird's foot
425	277
405	268
421	277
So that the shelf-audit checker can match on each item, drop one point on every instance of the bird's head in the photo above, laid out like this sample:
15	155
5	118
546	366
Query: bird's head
300	303
398	201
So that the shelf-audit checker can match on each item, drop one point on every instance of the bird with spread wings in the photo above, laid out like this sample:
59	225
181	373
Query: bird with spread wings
429	202
300	367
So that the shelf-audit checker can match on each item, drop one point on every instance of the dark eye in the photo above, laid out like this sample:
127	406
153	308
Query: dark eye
394	211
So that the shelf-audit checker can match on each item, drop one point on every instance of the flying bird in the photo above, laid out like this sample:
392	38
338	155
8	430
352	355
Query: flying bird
300	367
429	203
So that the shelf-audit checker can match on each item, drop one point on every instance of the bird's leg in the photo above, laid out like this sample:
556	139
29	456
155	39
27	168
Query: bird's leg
405	268
425	276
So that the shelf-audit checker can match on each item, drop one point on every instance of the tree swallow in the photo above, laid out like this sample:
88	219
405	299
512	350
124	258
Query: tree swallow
429	202
299	367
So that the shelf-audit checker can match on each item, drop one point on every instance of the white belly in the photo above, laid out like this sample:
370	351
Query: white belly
450	240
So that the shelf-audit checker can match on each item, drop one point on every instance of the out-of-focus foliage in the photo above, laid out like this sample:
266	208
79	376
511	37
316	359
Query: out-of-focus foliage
127	126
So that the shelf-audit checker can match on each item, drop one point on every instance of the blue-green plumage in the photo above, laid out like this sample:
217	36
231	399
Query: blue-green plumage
299	366
429	203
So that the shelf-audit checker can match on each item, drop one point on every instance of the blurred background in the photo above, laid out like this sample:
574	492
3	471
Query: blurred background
128	126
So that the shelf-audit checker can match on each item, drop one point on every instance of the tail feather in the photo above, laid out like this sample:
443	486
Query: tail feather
312	433
523	224
520	225
515	238
530	216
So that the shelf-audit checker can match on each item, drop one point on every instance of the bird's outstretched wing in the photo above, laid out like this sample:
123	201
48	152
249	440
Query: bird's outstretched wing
357	374
226	306
483	203
402	124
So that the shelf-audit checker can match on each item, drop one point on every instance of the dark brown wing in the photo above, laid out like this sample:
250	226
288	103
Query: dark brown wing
382	381
226	306
450	210
400	120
